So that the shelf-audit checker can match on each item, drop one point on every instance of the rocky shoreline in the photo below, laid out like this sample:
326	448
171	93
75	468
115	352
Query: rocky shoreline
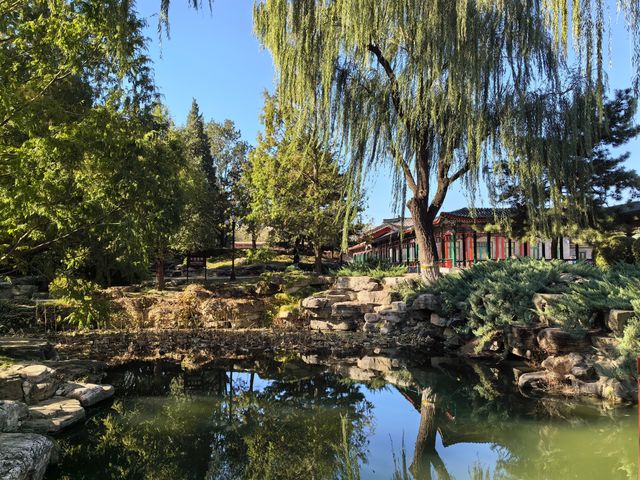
39	398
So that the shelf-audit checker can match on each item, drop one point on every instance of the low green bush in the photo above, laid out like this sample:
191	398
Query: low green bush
88	308
615	248
260	255
374	268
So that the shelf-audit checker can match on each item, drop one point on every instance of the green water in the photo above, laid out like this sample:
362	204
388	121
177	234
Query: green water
318	419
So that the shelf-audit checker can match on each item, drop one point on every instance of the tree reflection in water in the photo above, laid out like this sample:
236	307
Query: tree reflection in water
220	423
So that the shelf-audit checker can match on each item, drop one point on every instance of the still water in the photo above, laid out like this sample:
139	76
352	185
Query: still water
369	418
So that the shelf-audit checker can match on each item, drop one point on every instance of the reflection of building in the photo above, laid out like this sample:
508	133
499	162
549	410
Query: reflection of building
461	242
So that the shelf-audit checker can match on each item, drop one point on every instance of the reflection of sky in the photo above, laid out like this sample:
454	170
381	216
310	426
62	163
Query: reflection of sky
394	419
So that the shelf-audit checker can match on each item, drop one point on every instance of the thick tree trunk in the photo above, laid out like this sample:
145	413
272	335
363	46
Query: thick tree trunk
423	226
318	262
424	453
160	272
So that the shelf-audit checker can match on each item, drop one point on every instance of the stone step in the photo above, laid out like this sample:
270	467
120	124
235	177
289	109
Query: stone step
51	416
87	394
24	455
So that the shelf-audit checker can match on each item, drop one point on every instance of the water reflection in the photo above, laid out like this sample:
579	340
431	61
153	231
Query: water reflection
266	419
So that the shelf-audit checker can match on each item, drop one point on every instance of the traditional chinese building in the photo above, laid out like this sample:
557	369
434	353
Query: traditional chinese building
461	241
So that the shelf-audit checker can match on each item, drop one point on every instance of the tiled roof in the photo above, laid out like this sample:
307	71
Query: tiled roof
476	213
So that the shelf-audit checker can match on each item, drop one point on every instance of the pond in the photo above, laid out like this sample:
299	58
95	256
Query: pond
312	418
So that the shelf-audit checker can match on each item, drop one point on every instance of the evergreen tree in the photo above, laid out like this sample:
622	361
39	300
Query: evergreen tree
200	223
298	188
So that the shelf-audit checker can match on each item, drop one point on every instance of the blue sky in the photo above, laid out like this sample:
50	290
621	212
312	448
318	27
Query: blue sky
217	59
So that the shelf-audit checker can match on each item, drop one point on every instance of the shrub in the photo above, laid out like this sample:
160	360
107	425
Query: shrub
374	268
89	308
615	248
493	295
260	255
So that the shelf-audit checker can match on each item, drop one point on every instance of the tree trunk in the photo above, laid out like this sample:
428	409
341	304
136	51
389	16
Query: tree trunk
318	263
424	453
423	226
554	247
254	239
160	272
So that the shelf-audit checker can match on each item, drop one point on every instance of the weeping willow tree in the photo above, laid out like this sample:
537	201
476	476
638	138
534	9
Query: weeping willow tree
443	91
447	91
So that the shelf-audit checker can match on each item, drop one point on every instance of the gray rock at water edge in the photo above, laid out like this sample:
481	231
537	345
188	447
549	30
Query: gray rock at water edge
11	413
426	301
570	364
51	416
24	456
88	394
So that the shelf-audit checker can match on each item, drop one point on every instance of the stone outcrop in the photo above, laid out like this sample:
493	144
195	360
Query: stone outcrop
47	398
617	320
24	456
574	374
357	303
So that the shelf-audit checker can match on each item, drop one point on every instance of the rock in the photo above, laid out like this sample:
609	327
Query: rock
87	394
399	307
23	292
571	364
51	416
522	340
349	309
606	344
11	386
438	321
391	316
379	297
371	317
618	319
393	282
331	325
370	327
39	391
534	380
542	300
556	341
27	349
357	284
11	412
426	301
315	302
35	373
24	456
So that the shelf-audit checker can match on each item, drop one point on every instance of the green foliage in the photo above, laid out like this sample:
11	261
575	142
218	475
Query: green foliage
375	268
614	248
421	88
88	309
297	184
493	295
260	255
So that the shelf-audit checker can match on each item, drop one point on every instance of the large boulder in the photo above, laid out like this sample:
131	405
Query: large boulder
378	297
522	340
11	386
342	325
556	341
570	364
24	456
349	309
426	301
357	284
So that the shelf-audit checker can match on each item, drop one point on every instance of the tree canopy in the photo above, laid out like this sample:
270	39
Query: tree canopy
440	91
